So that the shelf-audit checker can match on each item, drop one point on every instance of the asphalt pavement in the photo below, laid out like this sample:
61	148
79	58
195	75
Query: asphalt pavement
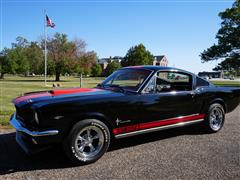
185	153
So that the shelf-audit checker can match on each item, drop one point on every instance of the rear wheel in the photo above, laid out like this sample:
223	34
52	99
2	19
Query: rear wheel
87	142
215	118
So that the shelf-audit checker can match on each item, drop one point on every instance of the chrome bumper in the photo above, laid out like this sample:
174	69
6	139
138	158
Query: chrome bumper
15	123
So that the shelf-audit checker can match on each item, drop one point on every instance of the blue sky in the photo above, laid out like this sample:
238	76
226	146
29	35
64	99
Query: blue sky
179	29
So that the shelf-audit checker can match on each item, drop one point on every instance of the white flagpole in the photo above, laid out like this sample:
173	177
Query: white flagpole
45	48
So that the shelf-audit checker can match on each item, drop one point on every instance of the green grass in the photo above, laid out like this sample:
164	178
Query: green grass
227	83
13	86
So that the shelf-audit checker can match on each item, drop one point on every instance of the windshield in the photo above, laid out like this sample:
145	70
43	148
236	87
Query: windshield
127	79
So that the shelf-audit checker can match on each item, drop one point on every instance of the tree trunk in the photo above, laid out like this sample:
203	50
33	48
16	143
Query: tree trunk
57	77
2	76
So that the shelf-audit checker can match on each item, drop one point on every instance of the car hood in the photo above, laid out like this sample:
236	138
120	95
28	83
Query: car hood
60	94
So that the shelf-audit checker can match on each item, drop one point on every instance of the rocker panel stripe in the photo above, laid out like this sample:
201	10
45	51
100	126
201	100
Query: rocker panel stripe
159	123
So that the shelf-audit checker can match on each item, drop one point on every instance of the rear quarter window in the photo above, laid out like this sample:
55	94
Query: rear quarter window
201	82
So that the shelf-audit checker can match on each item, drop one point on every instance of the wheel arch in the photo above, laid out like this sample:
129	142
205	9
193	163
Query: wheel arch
219	101
93	115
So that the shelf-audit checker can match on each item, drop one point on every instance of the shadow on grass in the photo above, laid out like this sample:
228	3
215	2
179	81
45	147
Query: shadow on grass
13	159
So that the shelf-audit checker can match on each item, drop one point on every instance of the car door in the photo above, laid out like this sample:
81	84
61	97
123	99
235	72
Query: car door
171	97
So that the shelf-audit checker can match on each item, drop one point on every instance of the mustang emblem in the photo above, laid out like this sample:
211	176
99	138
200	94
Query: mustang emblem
119	121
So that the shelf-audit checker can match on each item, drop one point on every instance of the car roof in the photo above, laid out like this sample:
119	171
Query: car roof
156	68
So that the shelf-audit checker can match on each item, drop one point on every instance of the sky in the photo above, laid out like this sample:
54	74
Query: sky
179	29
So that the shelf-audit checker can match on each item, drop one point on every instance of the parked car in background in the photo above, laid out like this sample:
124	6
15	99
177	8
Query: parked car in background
131	101
231	77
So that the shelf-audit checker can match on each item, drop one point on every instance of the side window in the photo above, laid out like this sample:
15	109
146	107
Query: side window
201	82
173	81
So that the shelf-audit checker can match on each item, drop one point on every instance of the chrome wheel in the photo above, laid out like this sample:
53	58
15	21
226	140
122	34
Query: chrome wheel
216	118
89	142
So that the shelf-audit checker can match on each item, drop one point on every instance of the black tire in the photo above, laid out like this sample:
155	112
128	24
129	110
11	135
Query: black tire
77	143
214	125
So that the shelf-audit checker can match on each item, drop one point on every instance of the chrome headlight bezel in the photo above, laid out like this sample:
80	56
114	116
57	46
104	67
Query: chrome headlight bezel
36	117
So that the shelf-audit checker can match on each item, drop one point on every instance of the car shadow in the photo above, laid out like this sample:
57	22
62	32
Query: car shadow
13	159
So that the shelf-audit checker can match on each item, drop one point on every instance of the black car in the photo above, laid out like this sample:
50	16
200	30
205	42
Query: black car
131	101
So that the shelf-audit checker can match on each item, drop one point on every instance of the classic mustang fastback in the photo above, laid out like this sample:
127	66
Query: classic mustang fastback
131	101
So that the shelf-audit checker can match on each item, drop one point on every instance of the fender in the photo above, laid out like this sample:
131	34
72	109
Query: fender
220	101
93	115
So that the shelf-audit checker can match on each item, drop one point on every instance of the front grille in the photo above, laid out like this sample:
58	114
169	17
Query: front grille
26	116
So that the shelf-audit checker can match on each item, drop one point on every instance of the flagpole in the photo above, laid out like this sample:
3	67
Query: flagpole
45	49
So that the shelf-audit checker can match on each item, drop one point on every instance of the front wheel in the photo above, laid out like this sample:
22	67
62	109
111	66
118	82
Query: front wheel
87	142
215	118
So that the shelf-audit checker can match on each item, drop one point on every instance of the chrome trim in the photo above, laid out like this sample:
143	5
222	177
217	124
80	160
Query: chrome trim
145	82
157	128
16	124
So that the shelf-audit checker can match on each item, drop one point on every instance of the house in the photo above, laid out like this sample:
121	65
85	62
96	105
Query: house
105	61
160	61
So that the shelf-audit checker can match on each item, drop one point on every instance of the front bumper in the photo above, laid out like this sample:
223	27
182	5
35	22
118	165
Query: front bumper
17	125
29	140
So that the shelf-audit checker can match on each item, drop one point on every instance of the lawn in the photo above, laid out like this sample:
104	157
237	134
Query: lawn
13	86
226	83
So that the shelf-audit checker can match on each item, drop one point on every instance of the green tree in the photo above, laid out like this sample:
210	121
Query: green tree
112	66
137	55
61	51
35	57
96	70
5	66
231	65
228	46
16	57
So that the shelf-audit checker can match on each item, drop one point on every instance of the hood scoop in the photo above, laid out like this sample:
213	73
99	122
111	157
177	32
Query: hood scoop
57	92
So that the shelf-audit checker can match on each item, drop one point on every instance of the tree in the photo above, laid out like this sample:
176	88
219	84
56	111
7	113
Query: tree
60	51
4	64
69	56
112	66
35	57
96	70
228	46
230	64
16	57
86	61
137	55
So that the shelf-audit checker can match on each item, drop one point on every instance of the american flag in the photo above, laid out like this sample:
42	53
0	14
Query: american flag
49	22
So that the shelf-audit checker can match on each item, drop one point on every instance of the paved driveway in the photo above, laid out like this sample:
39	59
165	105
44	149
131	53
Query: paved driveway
183	153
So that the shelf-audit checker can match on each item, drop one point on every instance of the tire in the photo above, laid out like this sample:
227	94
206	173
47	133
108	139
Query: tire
88	140
215	118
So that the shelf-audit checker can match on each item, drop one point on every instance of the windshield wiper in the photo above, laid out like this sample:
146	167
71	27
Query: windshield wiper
100	85
117	86
112	86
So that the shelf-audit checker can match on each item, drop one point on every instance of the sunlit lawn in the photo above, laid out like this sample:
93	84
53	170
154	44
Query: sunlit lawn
226	83
13	86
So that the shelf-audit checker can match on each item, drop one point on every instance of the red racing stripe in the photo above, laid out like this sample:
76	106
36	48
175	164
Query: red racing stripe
30	96
159	123
72	90
55	92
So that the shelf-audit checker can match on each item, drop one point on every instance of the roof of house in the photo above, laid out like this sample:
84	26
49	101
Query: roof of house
159	58
156	68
